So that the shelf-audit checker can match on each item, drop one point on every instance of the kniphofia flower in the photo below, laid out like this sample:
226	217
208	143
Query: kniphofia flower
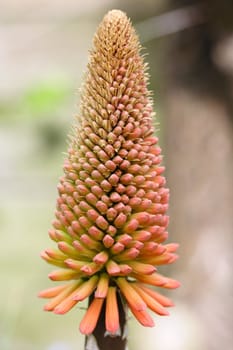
111	220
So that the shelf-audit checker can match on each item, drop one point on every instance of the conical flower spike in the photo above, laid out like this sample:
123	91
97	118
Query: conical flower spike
111	217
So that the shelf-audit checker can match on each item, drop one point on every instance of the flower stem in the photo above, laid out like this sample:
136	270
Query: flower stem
100	339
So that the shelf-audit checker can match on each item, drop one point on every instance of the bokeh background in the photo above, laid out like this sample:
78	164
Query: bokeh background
43	53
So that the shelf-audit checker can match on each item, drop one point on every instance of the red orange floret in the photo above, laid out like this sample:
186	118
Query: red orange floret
112	313
91	316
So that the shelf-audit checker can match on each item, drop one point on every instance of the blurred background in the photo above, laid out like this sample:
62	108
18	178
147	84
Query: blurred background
43	53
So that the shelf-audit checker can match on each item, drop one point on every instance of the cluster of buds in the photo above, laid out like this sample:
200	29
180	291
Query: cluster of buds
111	219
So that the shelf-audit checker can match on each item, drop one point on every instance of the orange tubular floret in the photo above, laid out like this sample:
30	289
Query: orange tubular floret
63	275
132	297
102	287
51	292
143	317
171	247
91	316
86	288
153	304
52	261
165	258
141	268
66	304
157	296
112	314
61	296
155	279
